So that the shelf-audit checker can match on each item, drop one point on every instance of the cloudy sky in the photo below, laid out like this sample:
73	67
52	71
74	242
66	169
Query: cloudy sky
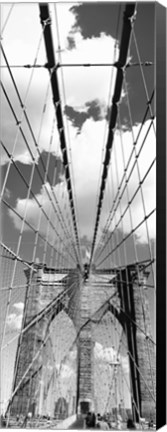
86	94
83	33
86	99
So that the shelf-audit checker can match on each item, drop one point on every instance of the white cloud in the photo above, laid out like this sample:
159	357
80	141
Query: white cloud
87	83
19	306
106	354
23	18
25	158
65	20
64	371
86	154
125	364
109	355
37	217
14	321
82	84
145	199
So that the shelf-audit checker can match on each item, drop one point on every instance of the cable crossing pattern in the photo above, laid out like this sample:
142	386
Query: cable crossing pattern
78	260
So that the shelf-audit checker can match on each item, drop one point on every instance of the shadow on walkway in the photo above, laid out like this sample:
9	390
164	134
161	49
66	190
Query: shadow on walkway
78	424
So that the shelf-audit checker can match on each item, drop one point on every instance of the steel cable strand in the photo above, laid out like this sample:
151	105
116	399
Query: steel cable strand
26	222
31	131
125	188
7	19
125	210
132	396
109	98
119	259
39	205
118	350
130	157
28	185
145	219
41	314
120	195
68	133
126	32
138	170
142	74
136	366
43	342
128	235
18	122
44	13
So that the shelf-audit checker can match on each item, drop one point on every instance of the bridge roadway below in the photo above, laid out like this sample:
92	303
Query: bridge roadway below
75	422
78	424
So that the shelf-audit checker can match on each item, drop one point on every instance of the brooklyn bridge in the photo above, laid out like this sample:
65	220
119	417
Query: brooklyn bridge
78	148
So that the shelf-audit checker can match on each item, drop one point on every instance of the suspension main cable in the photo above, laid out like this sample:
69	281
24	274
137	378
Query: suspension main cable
67	126
46	23
109	97
126	32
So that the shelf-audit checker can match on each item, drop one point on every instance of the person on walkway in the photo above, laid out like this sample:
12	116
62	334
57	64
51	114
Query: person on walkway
90	420
101	423
130	424
26	419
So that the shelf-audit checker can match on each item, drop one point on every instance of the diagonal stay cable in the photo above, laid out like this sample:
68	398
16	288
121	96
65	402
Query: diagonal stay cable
11	159
124	46
7	19
45	18
126	208
128	235
140	373
30	226
39	316
17	257
66	125
35	198
124	180
18	123
28	369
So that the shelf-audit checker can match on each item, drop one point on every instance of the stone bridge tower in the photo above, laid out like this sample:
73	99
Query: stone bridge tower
50	290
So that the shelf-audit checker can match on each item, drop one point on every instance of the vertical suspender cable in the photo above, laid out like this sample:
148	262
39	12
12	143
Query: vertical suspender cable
46	24
121	64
